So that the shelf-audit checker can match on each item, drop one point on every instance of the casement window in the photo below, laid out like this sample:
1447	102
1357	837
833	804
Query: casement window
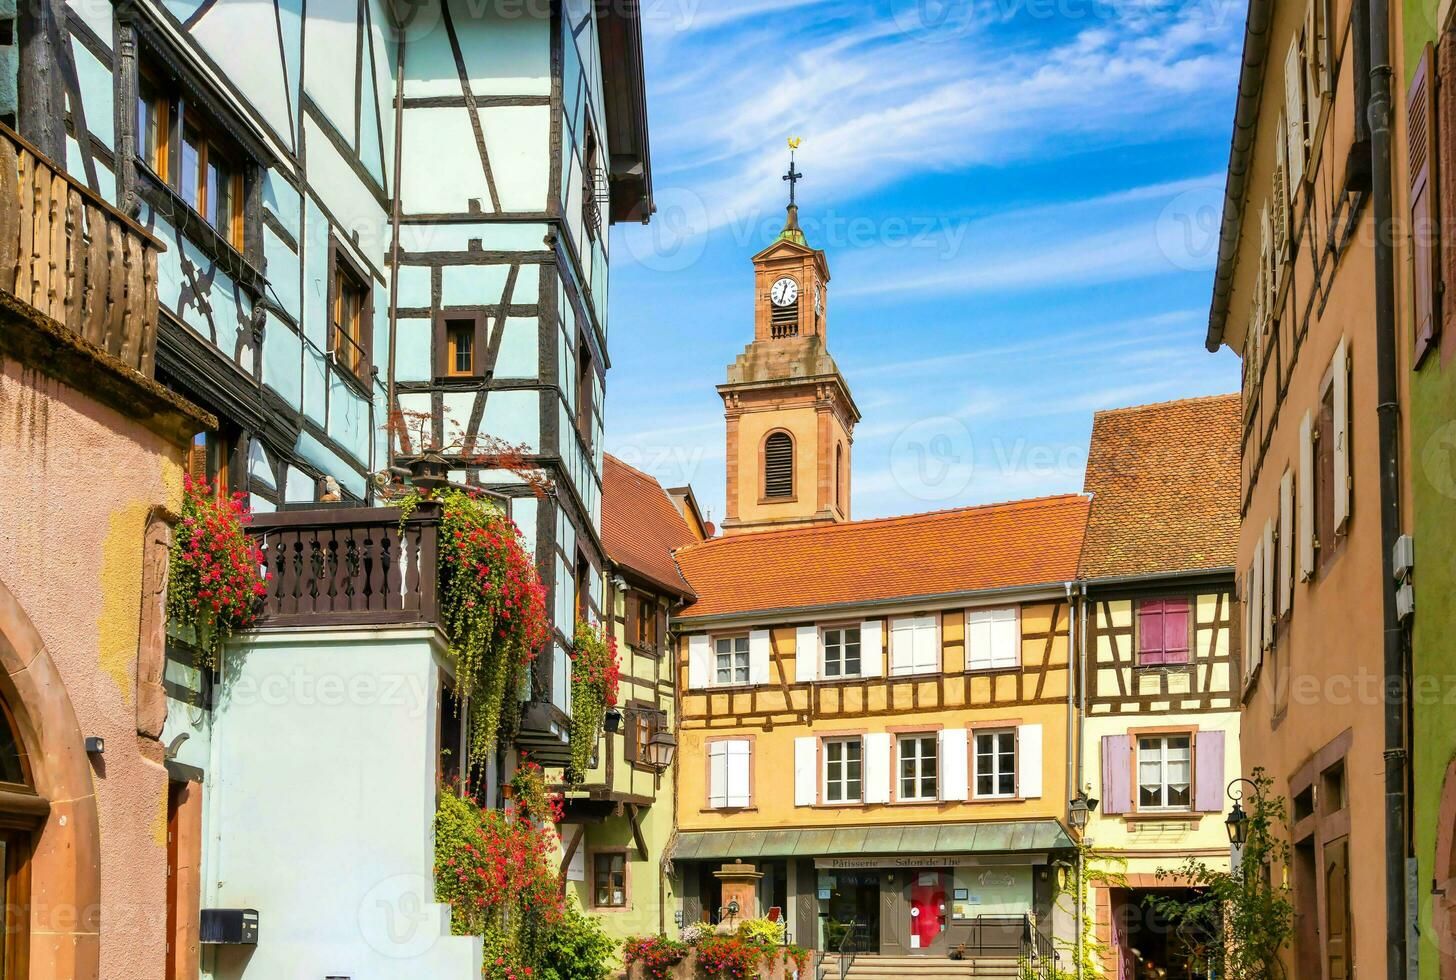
842	651
459	348
350	314
778	465
609	880
1164	772
993	639
843	770
1163	631
731	660
645	634
188	152
1332	460
995	764
642	724
586	378
919	776
914	645
730	762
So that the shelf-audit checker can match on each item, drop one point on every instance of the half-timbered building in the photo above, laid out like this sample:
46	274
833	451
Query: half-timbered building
618	822
874	715
1159	657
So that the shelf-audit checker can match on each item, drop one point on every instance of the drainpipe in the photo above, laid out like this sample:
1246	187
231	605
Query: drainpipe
1388	414
1080	633
389	415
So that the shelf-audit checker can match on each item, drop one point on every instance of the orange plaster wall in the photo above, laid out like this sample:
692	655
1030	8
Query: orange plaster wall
82	481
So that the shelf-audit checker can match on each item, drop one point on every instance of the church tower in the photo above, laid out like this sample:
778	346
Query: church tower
789	412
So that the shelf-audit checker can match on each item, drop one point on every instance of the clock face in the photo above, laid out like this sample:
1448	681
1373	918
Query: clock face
785	292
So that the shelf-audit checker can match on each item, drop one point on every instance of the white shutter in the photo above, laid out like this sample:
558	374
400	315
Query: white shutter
871	648
758	646
1341	370
739	768
902	646
993	638
806	654
878	767
1316	57
806	770
1304	484
978	639
1028	761
700	661
927	645
1286	541
1294	114
718	774
914	645
1256	605
1270	586
954	765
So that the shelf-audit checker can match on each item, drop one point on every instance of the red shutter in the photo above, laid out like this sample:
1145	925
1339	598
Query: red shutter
1425	231
1175	631
1151	649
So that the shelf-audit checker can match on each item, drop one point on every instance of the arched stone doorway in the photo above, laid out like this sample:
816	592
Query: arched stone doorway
48	819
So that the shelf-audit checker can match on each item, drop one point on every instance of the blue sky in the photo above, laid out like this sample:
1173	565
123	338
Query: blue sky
1018	198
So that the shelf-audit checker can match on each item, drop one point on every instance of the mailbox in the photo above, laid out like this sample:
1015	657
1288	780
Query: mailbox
236	927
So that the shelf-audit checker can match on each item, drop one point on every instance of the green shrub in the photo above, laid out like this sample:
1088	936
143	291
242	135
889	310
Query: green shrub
761	932
577	949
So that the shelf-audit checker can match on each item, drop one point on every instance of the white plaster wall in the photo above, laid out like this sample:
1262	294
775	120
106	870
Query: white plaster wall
323	777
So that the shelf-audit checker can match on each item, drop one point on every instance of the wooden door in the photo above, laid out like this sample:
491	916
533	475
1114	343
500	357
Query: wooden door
15	860
1337	909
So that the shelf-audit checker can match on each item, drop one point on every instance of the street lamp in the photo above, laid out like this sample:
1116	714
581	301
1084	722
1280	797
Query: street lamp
1238	821
1082	806
612	721
661	748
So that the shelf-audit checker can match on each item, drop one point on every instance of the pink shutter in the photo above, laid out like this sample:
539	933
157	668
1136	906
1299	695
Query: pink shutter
1116	774
1175	631
1208	763
1150	632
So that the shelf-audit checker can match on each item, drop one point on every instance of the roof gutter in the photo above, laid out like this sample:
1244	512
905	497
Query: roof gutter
1049	590
1241	152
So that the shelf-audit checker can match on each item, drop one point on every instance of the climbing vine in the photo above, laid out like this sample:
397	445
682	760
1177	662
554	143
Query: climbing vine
492	607
594	680
215	582
533	797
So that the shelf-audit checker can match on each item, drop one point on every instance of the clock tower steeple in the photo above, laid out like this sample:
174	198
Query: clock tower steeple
789	411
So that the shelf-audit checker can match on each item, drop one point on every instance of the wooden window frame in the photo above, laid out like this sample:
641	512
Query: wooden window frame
975	756
611	853
1135	736
713	667
444	356
844	762
824	630
644	622
585	396
343	265
919	735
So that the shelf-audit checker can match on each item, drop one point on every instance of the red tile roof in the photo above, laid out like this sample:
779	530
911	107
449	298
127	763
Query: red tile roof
1164	481
1025	543
641	526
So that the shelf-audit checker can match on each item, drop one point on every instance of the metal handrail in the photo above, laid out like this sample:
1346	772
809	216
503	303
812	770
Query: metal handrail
1038	958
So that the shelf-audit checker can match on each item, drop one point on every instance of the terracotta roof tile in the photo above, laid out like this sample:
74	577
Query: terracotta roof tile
1164	481
1025	543
641	526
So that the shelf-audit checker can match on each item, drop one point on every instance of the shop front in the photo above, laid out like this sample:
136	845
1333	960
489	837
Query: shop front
891	891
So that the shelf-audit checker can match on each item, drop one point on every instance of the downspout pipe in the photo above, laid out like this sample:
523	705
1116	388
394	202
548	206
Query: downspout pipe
1388	416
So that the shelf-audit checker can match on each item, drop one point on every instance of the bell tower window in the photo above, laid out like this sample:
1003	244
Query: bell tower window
778	465
785	322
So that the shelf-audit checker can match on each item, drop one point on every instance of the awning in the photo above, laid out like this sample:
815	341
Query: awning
952	838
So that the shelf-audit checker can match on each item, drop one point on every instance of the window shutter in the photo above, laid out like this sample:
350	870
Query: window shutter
1208	765
1444	122
1175	631
1286	541
914	645
878	769
1267	594
902	645
806	653
954	766
978	639
1305	485
871	648
1116	774
739	773
1150	632
1424	224
700	661
1317	55
1294	115
718	774
778	465
1341	371
1028	761
1006	637
927	645
1256	606
758	656
806	769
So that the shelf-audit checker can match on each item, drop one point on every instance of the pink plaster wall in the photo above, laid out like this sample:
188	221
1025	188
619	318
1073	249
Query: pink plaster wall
80	482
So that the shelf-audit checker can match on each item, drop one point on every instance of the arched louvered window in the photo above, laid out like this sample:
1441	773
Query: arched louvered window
839	476
778	465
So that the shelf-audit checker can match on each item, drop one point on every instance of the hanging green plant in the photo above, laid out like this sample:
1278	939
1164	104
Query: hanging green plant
594	680
492	608
215	581
533	796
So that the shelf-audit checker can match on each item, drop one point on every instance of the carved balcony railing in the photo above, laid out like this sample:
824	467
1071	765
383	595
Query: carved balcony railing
349	566
75	258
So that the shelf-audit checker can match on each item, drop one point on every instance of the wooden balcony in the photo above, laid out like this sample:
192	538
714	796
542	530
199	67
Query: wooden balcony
349	566
74	258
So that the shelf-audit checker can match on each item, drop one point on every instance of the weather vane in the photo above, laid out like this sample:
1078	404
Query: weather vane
793	175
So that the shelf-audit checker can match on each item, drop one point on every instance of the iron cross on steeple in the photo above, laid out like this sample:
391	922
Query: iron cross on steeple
793	176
